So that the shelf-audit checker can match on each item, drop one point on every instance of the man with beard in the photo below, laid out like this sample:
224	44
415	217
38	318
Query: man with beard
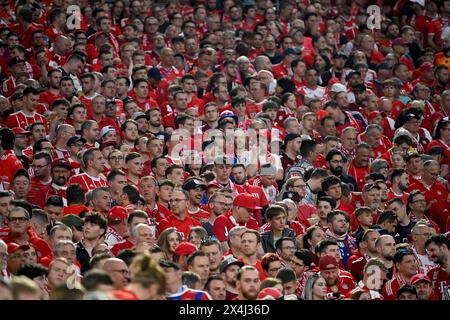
406	266
356	263
437	247
41	181
248	283
219	203
423	286
336	162
404	223
292	143
195	188
385	246
399	179
337	283
60	173
359	167
338	223
229	270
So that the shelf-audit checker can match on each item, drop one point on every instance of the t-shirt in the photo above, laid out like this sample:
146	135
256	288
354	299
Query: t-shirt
225	222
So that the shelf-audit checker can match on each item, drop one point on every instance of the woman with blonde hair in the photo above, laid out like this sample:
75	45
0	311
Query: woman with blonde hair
315	288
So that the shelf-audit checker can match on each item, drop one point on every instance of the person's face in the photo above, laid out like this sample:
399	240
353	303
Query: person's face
136	166
18	222
211	114
146	235
399	210
330	276
388	248
92	231
436	253
60	235
119	273
335	191
415	166
217	289
273	268
336	165
116	160
67	251
329	128
365	219
165	192
178	202
99	161
38	132
362	157
200	266
311	77
239	175
148	188
278	222
221	205
222	171
131	132
79	115
173	240
103	201
5	205
372	198
21	187
249	244
420	236
243	214
423	289
418	204
177	176
287	250
431	174
54	213
196	195
408	266
249	284
87	84
320	288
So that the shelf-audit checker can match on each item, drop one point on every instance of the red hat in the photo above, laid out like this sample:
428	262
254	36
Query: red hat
420	277
214	184
321	114
13	247
269	294
328	262
246	200
19	130
426	66
398	41
62	163
117	213
373	115
185	249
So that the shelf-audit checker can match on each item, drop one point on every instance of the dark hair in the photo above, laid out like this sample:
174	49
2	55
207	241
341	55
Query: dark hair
328	199
332	215
274	210
387	216
132	193
191	257
55	201
32	270
330	181
439	240
75	194
304	255
324	244
279	242
286	275
92	279
97	219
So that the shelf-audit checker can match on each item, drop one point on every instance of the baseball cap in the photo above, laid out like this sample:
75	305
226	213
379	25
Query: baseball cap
269	294
246	200
106	129
117	213
13	247
214	184
193	183
61	163
19	130
406	288
328	263
338	87
139	114
398	41
290	137
154	73
420	277
14	61
426	66
410	155
229	262
228	114
289	51
185	249
340	54
72	220
74	140
369	186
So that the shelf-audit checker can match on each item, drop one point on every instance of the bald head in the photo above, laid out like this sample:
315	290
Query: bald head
118	271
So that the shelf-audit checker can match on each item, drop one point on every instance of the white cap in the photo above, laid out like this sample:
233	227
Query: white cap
106	129
421	2
338	87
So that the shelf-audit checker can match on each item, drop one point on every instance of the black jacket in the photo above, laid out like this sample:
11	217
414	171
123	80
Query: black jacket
267	239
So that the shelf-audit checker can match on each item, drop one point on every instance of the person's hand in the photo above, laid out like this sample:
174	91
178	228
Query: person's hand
313	220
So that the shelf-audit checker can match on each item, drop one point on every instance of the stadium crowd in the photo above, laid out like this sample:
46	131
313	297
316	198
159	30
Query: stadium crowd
225	150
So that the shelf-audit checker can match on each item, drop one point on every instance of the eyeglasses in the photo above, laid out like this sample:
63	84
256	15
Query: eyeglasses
18	219
223	203
122	271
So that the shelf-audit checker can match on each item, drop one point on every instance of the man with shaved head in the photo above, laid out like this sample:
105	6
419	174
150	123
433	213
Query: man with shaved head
63	133
118	271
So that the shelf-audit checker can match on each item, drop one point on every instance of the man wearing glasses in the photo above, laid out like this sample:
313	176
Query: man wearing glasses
40	183
179	217
419	235
21	233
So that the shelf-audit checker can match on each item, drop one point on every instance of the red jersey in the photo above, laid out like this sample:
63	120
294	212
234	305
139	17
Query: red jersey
189	294
359	173
344	285
47	97
183	226
42	248
117	248
9	164
20	119
225	222
38	191
124	294
440	281
258	267
88	182
391	287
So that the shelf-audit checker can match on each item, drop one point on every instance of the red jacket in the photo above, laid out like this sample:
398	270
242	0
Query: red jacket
41	246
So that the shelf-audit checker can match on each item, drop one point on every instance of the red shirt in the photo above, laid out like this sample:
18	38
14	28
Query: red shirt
42	248
124	294
47	97
183	226
345	284
391	287
19	119
440	280
9	164
225	222
87	182
38	191
359	173
117	248
258	267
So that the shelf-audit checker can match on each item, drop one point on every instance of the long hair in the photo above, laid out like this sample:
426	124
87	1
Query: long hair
309	285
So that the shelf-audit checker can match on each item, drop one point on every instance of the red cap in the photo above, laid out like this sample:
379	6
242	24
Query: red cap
117	213
373	114
185	249
62	163
398	41
328	262
246	200
214	184
13	247
19	130
269	294
321	114
420	277
426	66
